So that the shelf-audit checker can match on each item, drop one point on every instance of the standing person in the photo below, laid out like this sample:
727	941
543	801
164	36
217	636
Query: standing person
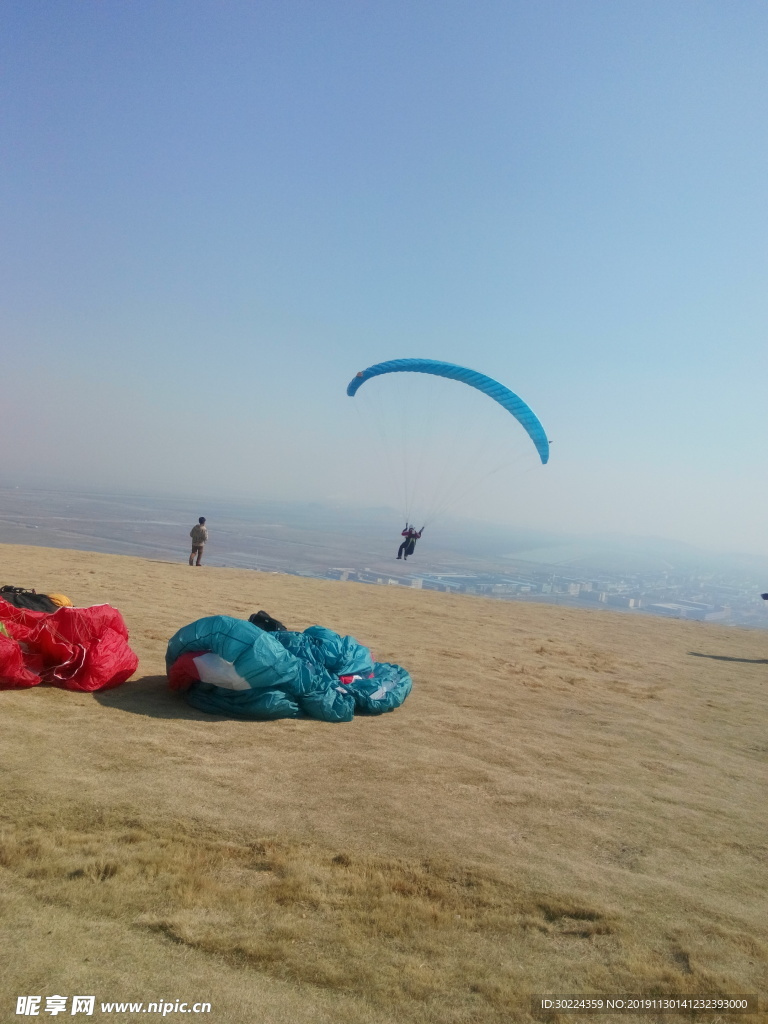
199	535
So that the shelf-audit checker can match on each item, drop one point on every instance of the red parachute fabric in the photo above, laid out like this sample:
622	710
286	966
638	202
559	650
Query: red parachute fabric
76	648
183	672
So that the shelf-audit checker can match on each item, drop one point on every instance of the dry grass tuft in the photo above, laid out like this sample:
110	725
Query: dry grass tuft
432	938
397	931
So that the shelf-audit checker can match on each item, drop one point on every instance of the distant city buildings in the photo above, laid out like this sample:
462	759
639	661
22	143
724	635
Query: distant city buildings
701	598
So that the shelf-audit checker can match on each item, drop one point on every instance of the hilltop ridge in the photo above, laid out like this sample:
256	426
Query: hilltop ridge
567	802
648	574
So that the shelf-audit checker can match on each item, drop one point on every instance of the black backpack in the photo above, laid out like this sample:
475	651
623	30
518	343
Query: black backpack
21	598
265	621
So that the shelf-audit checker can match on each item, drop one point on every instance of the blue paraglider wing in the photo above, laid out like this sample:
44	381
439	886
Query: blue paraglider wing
506	398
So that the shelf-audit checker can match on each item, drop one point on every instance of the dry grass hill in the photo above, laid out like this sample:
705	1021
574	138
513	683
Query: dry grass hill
569	801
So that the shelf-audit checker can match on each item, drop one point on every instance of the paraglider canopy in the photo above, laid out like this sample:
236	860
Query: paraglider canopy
441	431
498	392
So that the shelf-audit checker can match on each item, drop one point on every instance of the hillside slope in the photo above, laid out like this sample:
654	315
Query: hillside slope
569	801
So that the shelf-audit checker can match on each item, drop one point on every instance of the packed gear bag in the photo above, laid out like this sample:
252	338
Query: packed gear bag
265	621
21	598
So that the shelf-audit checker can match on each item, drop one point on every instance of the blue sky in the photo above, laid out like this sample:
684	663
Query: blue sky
214	214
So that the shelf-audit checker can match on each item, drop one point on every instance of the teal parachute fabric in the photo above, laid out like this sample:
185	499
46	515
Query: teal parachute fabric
343	656
498	392
230	666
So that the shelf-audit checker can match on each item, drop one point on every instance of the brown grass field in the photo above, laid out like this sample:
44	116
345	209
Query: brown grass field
569	802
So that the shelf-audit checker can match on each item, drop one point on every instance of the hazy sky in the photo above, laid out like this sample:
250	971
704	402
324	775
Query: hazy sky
214	213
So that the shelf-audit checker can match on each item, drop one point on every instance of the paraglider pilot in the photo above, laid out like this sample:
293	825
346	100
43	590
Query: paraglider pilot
411	536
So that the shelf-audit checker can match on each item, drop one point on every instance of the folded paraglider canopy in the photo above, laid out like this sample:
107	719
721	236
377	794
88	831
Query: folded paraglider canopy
75	648
228	666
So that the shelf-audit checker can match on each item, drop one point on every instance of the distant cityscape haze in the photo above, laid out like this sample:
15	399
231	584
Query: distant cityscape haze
637	575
